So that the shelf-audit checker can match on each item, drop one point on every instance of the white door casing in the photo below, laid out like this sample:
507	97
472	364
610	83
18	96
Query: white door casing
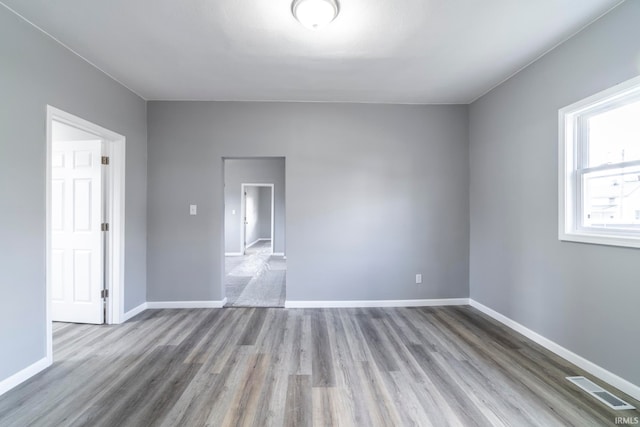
77	271
114	178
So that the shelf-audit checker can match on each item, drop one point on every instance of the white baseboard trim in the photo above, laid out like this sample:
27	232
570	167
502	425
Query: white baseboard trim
233	254
377	303
186	304
23	375
597	371
134	312
279	254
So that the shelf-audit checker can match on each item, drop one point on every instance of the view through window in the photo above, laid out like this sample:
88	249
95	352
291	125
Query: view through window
599	168
612	189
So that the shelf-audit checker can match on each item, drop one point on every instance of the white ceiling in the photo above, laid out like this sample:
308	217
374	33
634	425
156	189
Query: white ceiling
389	51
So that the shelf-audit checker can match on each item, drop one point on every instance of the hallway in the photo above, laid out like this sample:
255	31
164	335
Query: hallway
256	279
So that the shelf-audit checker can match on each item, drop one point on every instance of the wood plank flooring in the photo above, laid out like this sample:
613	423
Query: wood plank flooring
444	366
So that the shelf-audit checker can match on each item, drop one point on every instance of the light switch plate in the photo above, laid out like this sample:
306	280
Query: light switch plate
418	278
193	209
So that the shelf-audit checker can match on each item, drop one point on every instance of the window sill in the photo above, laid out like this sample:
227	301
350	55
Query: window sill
601	239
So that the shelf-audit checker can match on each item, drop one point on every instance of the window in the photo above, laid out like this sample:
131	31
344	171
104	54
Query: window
599	177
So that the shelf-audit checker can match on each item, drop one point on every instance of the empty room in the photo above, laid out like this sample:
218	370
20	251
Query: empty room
320	212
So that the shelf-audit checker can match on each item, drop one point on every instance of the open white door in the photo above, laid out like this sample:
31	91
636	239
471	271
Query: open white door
76	221
245	220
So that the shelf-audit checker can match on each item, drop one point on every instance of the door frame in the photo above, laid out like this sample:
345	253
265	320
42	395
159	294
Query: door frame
243	213
114	196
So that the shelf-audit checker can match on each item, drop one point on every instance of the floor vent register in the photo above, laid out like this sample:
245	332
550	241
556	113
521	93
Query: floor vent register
599	393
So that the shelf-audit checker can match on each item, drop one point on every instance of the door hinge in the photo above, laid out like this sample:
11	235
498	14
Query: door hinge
105	226
105	160
104	293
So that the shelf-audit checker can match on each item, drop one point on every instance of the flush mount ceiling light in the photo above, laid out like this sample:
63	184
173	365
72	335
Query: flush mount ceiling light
315	13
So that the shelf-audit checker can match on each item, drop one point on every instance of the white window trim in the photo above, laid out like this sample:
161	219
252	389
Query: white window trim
569	228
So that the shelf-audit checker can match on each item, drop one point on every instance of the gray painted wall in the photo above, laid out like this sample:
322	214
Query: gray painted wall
264	212
375	194
263	171
584	297
37	71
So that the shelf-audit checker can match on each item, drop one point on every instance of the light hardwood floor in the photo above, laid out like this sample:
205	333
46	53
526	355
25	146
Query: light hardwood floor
363	367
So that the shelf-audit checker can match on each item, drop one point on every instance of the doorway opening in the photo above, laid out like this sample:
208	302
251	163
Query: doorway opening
84	223
255	260
256	216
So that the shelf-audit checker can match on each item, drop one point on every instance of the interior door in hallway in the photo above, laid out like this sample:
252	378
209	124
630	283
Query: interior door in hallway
77	245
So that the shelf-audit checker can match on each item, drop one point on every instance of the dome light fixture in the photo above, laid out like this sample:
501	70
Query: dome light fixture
314	14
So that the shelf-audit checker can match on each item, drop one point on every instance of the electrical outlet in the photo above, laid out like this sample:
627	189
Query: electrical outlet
419	278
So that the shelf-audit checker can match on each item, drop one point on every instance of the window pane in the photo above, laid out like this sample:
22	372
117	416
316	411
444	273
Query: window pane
612	199
614	136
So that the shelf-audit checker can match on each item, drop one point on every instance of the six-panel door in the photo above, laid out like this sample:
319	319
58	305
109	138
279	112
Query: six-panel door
77	249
